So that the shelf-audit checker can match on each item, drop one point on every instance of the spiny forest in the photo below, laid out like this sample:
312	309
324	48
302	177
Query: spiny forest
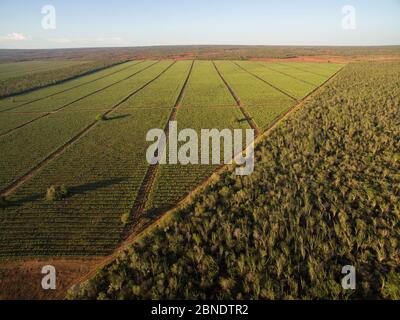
325	193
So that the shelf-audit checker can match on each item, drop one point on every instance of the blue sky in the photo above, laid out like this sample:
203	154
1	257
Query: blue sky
98	23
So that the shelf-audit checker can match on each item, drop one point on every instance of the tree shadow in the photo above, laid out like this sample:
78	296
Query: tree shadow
244	119
72	191
89	187
122	116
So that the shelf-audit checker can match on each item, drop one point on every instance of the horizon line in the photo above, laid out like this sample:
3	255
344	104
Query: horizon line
211	45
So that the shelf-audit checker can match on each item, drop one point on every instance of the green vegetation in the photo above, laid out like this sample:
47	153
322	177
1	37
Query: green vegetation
11	121
206	88
83	93
325	194
126	218
204	52
174	181
305	75
26	68
54	90
104	171
24	76
106	167
167	90
101	117
23	149
53	131
293	87
56	193
251	91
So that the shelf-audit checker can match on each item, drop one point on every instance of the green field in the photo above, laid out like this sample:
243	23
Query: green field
325	194
23	77
15	70
53	136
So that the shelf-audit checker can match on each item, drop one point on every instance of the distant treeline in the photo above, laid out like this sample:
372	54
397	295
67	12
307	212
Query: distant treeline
194	52
26	83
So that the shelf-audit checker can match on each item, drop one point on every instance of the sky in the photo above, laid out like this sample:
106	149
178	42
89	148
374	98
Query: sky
106	23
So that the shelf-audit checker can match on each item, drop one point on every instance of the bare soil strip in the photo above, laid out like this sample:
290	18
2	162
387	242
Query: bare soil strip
75	101
148	182
288	75
265	81
53	156
21	279
239	103
152	225
66	90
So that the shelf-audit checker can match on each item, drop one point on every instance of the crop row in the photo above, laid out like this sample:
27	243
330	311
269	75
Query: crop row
13	70
293	87
63	99
322	69
324	194
163	93
303	76
44	136
103	172
174	181
24	99
11	121
205	88
253	93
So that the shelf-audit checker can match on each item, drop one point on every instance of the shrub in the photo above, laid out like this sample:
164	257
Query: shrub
125	218
56	193
101	117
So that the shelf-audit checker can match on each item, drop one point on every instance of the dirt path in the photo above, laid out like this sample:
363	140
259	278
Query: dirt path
21	279
239	103
265	81
72	88
75	101
53	156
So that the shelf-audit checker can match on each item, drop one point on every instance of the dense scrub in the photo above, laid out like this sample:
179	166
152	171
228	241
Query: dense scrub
37	80
205	52
325	193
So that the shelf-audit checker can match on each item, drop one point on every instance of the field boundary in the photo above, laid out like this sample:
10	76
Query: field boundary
11	188
268	83
148	181
76	100
147	229
239	103
288	75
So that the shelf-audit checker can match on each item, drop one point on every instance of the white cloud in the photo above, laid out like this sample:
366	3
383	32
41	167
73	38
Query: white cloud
15	36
